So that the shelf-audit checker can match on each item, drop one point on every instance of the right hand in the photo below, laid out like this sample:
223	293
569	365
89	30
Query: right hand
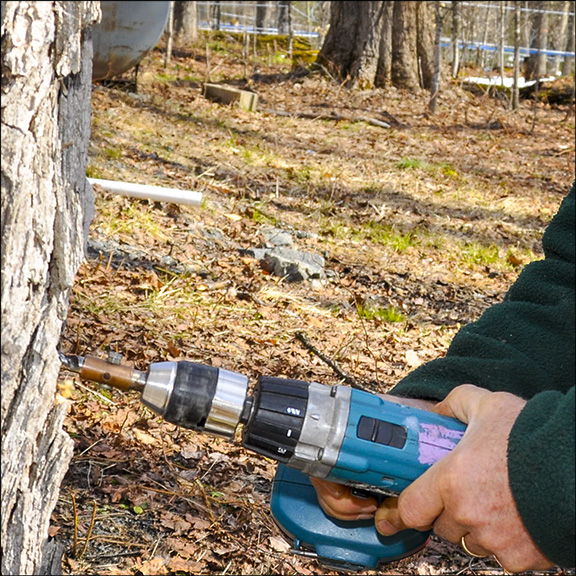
338	501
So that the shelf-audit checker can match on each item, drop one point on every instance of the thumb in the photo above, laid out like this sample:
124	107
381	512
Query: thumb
462	402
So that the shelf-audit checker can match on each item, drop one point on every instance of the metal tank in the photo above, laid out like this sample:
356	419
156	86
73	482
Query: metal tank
127	32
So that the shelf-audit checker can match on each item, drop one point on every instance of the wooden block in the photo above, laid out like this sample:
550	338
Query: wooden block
229	95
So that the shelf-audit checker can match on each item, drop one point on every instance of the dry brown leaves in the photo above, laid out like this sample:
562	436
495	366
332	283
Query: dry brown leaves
168	282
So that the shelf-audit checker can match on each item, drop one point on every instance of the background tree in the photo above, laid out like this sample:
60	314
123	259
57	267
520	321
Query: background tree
261	12
456	19
46	203
536	64
384	66
351	47
185	22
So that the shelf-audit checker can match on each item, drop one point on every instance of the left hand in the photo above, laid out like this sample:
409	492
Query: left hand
467	492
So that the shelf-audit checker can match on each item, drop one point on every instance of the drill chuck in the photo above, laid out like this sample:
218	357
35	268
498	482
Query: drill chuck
196	396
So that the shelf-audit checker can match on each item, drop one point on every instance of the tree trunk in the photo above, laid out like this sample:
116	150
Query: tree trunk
261	11
456	17
215	14
559	38
404	46
350	50
426	26
536	64
516	87
568	63
384	66
435	86
185	23
46	206
284	17
501	38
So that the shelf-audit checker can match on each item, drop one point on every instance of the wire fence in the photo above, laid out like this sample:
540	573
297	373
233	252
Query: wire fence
311	19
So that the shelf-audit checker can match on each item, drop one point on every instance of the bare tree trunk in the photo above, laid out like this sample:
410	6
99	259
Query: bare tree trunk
384	65
482	59
515	87
559	38
46	205
435	88
425	42
169	35
456	17
284	24
404	51
502	30
261	11
536	64
185	22
350	50
216	14
568	63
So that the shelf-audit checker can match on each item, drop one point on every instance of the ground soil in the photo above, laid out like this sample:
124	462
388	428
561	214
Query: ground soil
422	220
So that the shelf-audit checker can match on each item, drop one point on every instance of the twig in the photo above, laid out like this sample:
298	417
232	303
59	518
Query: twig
206	500
346	377
75	543
102	397
89	533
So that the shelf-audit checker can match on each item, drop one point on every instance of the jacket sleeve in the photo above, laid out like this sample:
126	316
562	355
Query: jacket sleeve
526	345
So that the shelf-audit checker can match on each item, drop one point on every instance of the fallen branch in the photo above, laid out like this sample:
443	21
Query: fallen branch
333	116
339	372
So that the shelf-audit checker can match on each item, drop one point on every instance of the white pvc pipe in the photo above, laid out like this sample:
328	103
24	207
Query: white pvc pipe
150	192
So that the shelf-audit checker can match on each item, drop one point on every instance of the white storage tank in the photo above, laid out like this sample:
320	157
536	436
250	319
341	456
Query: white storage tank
127	32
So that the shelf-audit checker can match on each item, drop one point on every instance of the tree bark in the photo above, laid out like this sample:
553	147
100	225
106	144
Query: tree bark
350	50
516	87
384	66
456	18
536	64
261	12
404	46
568	63
46	207
185	22
426	26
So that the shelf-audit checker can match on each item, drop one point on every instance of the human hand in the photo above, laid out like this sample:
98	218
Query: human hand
338	501
465	497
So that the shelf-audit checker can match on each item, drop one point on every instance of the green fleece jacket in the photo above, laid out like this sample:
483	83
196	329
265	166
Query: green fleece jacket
526	345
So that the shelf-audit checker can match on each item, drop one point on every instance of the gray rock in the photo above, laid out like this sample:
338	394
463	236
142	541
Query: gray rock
293	264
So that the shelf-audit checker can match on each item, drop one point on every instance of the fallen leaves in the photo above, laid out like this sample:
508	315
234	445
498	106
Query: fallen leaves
165	282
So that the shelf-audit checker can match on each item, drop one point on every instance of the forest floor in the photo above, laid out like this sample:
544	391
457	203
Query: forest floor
421	225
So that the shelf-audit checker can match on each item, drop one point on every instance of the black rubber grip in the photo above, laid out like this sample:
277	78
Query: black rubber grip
191	399
279	408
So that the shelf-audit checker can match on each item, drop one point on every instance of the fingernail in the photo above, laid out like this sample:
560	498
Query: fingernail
385	528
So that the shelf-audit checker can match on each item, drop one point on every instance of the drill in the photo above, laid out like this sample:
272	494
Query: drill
338	433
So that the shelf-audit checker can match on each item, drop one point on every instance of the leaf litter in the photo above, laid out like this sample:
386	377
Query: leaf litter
422	226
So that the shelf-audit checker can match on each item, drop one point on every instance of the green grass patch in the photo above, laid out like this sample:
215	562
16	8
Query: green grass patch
474	253
388	235
389	314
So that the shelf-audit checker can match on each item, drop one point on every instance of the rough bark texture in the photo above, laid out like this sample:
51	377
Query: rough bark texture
46	78
384	67
426	26
404	42
185	22
350	50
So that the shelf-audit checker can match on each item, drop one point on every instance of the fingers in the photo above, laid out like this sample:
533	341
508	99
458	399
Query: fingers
337	501
462	402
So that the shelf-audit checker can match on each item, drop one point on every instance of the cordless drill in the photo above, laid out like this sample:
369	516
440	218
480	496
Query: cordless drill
341	434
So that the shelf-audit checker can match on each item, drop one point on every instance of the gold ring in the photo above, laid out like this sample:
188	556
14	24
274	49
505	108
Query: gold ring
463	544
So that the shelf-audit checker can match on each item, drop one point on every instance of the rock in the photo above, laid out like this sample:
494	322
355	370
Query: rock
293	264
